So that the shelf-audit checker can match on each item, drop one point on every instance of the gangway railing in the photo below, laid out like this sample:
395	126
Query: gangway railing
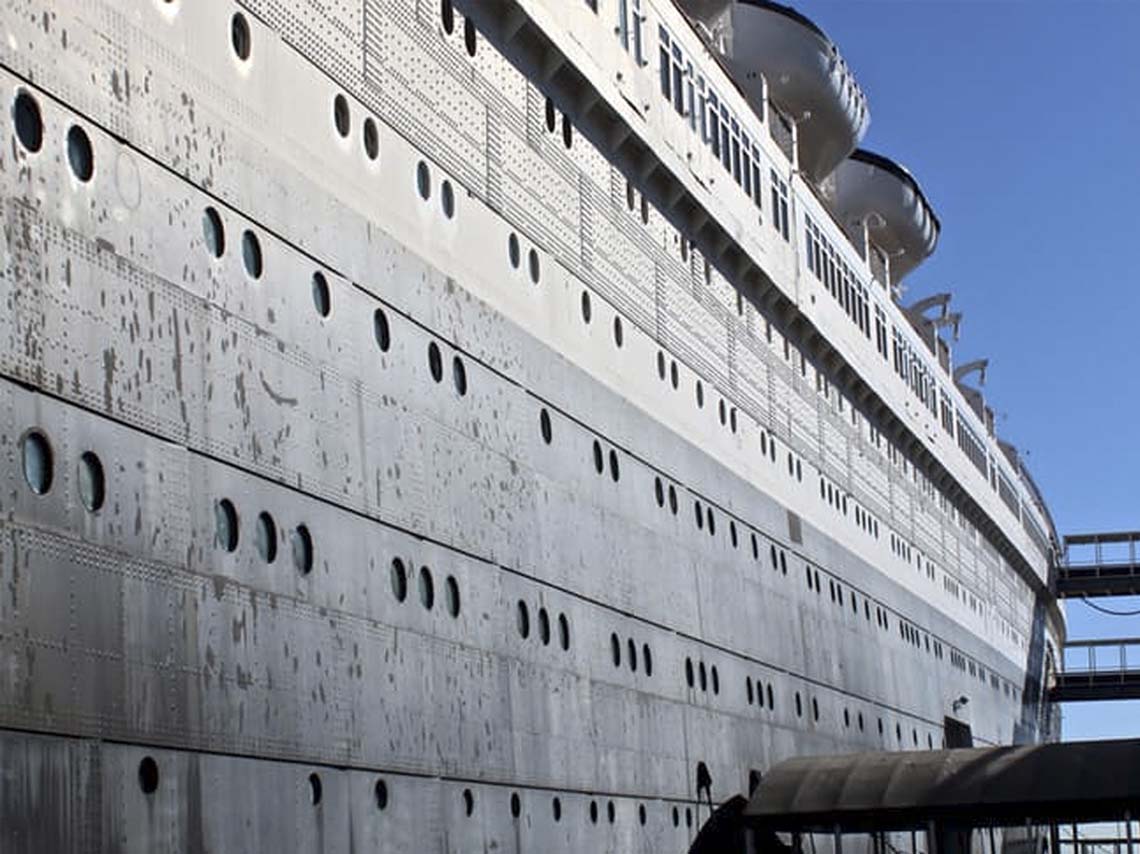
1102	669
1101	564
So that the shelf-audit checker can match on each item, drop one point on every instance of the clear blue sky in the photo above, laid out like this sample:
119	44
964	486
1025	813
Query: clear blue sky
1021	120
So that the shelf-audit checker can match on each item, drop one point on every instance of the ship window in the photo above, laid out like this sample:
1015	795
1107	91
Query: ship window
447	16
251	254
799	706
771	701
451	591
647	659
723	412
615	472
676	817
587	311
593	812
148	775
435	362
545	427
226	525
399	578
563	632
469	36
674	377
755	547
618	334
732	533
689	672
638	38
371	139
715	680
240	37
380	793
447	199
748	685
29	122
644	210
513	251
702	676
459	376
672	499
213	232
663	38
611	811
567	132
641	817
522	620
556	808
322	301
660	365
315	788
92	489
427	588
551	115
79	153
615	650
700	395
632	655
341	116
468	802
599	459
381	331
544	627
302	544
532	261
700	516
711	521
265	536
516	805
423	180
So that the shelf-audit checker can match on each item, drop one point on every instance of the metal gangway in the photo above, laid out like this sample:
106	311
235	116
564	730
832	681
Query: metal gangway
1099	565
1105	669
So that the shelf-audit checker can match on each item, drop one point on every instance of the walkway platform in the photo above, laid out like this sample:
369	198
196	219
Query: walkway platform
1105	564
1103	669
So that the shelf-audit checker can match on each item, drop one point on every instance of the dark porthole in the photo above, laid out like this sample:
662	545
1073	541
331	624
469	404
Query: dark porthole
381	330
689	672
859	720
755	548
673	500
799	706
399	578
748	688
846	718
556	808
700	395
593	812
618	334
380	795
213	232
468	802
702	676
688	817
674	376
611	812
239	36
148	775
522	619
723	412
459	376
645	210
29	122
676	818
470	37
567	132
371	138
514	253
563	632
435	362
615	472
322	300
715	679
265	536
545	426
226	525
631	649
615	650
79	154
551	116
427	588
630	195
771	699
587	311
423	180
341	117
659	491
699	515
451	595
516	805
92	484
315	788
302	547
647	659
535	270
732	533
641	817
447	199
711	521
447	16
599	461
732	419
251	254
544	627
660	364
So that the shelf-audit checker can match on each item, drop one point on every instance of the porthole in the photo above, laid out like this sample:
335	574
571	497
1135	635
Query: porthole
563	632
702	676
711	521
859	721
732	419
660	365
148	775
532	262
459	376
341	117
545	426
423	180
771	701
213	232
226	525
700	516
715	679
265	537
732	533
722	412
544	627
251	254
451	595
755	548
659	491
322	300
567	132
593	812
688	817
371	138
673	500
700	395
556	808
676	818
435	362
647	659
551	115
427	588
674	375
516	805
599	461
447	199
302	547
615	650
79	154
469	37
468	802
522	620
380	795
611	811
689	672
641	817
618	334
240	38
630	195
29	123
631	649
846	718
381	331
586	309
92	485
799	706
315	789
644	210
399	578
748	688
615	472
514	253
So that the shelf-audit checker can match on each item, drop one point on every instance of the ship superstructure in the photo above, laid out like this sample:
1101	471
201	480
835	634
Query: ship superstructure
449	427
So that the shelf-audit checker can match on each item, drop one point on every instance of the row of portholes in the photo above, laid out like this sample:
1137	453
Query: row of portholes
398	574
214	237
29	124
832	495
552	124
867	522
514	255
458	371
795	467
768	445
342	121
522	622
600	461
227	535
588	316
446	190
38	460
447	21
631	654
631	201
756	695
674	376
701	676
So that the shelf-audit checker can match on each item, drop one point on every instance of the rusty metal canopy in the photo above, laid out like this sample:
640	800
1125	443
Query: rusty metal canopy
864	792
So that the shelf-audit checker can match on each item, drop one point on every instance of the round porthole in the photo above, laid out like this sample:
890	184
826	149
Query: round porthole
545	426
266	537
322	301
427	588
399	578
92	486
371	139
522	620
251	254
447	199
213	232
543	627
435	362
563	632
302	547
423	180
80	156
381	331
226	525
148	775
451	590
514	253
380	794
29	122
341	116
240	37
